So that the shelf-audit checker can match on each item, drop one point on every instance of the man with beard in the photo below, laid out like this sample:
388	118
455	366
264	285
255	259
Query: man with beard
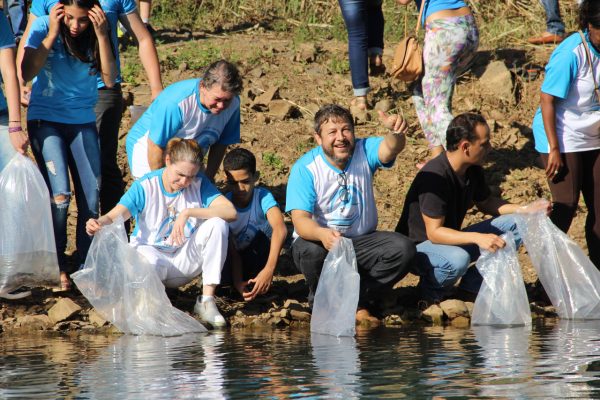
330	194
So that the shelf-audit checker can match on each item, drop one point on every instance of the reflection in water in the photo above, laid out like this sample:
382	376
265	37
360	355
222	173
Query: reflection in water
337	364
558	360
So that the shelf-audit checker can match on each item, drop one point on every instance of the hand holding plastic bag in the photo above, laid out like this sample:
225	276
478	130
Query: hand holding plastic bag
126	290
336	298
570	279
27	248
502	299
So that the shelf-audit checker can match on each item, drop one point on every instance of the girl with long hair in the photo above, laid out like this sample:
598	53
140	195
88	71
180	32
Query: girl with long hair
63	53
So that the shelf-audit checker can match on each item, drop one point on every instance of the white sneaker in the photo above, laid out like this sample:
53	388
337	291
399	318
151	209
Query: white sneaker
209	313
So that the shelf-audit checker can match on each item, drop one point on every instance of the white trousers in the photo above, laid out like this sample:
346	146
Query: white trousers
203	253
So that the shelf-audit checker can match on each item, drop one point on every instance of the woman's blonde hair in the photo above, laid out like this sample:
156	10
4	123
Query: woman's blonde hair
189	150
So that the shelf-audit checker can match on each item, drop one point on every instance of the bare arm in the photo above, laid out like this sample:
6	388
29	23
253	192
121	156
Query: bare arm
393	143
8	69
35	59
94	225
108	70
147	51
438	234
549	117
20	53
309	229
213	162
156	156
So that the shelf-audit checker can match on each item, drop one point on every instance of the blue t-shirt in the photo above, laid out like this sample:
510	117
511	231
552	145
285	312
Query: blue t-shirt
64	90
577	110
113	10
433	6
252	218
7	40
178	112
155	210
340	200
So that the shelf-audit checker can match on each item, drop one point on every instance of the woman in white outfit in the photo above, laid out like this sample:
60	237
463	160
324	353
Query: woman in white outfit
181	223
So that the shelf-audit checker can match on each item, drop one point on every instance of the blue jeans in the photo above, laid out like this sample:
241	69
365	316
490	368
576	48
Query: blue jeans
16	12
364	23
59	148
554	23
7	151
440	266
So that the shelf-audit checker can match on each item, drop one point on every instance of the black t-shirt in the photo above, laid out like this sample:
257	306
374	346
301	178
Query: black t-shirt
438	192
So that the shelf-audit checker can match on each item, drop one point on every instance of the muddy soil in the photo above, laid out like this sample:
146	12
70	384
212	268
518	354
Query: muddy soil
285	83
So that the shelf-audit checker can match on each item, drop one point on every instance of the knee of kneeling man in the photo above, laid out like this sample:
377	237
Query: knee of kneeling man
218	225
460	262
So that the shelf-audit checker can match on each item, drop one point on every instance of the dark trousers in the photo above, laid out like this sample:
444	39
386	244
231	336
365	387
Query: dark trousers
254	257
383	258
109	110
580	174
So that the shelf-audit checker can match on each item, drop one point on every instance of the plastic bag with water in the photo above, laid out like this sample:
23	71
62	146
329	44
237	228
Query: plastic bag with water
27	247
502	299
336	298
126	290
570	279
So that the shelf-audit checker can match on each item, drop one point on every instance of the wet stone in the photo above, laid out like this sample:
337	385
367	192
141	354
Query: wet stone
454	308
461	322
34	322
63	309
434	314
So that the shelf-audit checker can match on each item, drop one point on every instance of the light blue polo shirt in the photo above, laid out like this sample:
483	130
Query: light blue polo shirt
433	6
348	206
64	90
7	40
178	112
577	110
113	10
252	218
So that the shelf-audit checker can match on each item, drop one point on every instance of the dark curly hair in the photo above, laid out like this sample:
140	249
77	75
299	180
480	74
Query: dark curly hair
589	14
462	127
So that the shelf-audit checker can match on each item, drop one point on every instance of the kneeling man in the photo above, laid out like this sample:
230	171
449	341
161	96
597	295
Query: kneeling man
437	202
330	194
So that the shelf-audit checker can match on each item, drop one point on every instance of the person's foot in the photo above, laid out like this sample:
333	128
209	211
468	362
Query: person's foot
363	316
359	103
546	38
208	312
65	283
376	66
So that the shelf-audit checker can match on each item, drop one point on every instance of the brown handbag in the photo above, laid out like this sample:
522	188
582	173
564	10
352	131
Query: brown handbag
408	56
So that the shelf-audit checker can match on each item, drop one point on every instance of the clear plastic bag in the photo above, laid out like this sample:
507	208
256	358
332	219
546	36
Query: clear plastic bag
570	279
502	299
336	298
27	247
126	290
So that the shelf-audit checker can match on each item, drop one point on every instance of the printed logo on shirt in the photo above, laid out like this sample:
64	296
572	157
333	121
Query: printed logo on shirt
162	241
345	208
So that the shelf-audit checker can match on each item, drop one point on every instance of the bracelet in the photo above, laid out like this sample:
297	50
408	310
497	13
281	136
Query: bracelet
15	129
14	121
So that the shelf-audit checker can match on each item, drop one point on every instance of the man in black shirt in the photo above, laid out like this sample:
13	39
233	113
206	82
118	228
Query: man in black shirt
437	202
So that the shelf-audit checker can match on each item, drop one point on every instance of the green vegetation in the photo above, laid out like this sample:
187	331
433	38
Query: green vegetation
273	160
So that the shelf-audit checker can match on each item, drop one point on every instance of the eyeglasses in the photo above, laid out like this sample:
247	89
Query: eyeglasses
343	184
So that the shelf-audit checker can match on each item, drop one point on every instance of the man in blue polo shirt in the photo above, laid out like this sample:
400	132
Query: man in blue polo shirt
330	194
206	110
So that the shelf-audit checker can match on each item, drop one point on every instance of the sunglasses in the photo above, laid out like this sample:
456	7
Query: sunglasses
342	181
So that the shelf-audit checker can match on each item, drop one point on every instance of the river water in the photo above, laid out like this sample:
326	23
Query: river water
552	360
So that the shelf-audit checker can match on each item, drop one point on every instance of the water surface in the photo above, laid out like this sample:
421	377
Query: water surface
554	359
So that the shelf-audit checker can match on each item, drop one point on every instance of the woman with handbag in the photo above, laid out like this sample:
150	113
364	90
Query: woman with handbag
364	24
451	39
566	126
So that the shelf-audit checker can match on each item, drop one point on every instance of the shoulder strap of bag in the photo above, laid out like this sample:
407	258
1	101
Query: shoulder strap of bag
420	16
588	56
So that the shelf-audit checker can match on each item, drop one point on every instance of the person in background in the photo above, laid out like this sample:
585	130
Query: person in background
555	27
566	126
437	202
205	109
181	224
63	53
364	24
258	234
109	107
451	40
330	195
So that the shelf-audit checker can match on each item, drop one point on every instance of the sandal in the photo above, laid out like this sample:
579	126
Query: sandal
360	103
376	66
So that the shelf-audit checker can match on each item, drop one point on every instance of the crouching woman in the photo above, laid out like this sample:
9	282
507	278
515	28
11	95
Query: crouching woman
181	223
